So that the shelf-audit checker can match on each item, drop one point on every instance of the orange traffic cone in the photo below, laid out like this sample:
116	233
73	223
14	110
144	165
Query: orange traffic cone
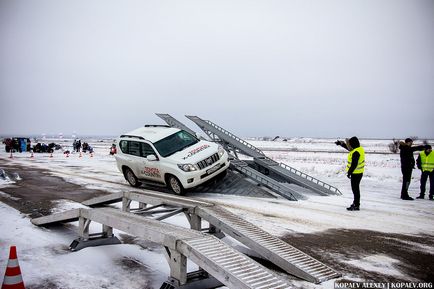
31	154
13	278
51	155
80	155
11	156
91	155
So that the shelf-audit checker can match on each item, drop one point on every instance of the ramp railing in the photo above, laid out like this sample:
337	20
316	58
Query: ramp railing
310	178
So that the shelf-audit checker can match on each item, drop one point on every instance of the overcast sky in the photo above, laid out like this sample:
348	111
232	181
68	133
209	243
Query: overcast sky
329	68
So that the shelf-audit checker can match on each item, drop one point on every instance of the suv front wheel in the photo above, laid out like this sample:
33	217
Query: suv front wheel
175	185
131	178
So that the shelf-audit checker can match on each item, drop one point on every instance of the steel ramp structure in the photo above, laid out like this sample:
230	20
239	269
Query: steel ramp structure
65	217
264	180
297	177
271	248
241	166
285	172
227	265
223	136
175	123
219	259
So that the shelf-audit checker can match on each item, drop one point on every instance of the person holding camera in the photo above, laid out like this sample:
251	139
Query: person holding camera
355	168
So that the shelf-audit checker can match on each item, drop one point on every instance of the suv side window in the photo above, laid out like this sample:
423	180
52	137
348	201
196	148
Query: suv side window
134	148
147	150
123	144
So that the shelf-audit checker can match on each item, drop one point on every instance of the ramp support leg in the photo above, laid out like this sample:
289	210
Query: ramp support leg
85	239
107	231
142	205
126	204
178	265
195	221
83	228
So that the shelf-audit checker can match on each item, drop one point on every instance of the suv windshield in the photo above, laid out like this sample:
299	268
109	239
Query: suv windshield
175	143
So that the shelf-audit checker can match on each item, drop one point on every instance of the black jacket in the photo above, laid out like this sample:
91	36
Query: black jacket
406	153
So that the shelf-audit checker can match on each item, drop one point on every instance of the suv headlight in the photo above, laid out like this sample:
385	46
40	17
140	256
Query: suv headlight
187	167
221	151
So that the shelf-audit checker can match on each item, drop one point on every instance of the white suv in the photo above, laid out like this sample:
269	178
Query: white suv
169	156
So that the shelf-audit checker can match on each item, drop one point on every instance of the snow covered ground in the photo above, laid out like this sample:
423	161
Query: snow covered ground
44	257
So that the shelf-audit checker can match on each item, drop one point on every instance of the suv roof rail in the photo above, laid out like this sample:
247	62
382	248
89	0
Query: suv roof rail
132	136
156	125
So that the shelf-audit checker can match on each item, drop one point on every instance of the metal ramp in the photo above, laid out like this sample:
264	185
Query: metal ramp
285	172
241	166
227	265
65	217
297	177
262	179
175	123
219	259
271	248
229	140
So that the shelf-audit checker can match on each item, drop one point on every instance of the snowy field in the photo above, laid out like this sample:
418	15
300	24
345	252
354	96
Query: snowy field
45	260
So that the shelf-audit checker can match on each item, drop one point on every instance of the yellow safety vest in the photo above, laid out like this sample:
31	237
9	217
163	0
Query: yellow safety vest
427	161
361	164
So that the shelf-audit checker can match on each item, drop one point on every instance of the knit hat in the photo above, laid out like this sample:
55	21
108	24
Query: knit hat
407	140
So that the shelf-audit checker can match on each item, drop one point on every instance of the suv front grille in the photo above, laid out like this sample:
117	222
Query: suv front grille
208	161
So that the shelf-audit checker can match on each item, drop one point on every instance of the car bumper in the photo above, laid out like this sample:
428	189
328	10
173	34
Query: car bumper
204	175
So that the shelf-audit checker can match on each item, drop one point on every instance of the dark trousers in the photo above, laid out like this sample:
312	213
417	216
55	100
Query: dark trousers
355	187
406	179
423	179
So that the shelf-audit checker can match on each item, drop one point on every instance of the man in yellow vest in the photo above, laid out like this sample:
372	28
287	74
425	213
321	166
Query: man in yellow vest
425	162
355	168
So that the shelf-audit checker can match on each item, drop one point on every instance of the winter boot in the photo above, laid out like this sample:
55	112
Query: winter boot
353	208
407	198
421	196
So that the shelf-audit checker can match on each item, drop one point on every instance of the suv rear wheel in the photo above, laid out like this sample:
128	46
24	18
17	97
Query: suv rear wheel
131	178
175	185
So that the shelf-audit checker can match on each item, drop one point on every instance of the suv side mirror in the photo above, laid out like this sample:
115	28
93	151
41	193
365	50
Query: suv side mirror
152	158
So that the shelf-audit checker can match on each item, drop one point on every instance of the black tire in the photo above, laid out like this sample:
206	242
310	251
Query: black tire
175	185
131	178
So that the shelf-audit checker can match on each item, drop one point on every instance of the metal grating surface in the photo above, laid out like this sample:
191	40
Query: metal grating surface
279	252
241	271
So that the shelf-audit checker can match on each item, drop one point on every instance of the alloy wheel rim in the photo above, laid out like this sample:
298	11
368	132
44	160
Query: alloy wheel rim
131	178
175	186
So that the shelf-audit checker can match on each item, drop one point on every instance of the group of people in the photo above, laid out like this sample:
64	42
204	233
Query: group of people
85	147
76	145
356	167
17	144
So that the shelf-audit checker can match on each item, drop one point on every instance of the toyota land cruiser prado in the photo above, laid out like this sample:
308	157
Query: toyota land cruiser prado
169	156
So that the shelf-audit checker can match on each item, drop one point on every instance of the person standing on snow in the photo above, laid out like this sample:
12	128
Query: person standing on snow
78	145
406	151
425	162
355	168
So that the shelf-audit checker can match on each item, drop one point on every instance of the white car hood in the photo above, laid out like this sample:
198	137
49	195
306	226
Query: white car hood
195	153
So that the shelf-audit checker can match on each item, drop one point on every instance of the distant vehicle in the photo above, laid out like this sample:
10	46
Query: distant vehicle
169	156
